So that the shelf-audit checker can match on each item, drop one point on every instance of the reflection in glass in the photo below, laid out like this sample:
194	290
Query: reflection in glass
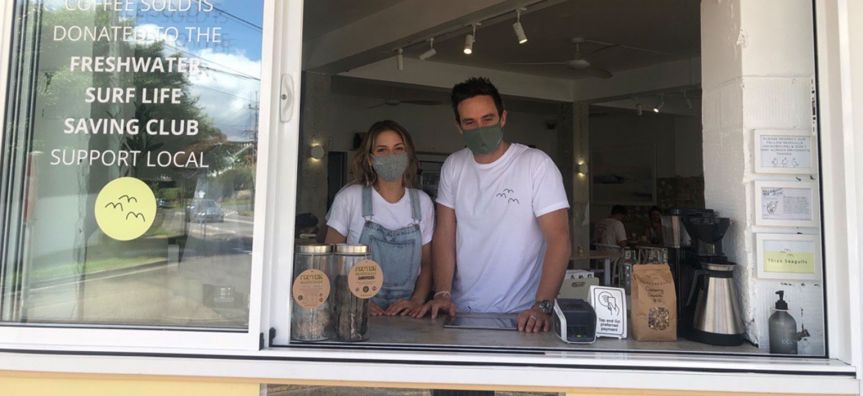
162	92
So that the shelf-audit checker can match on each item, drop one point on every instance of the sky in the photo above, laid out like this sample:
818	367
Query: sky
229	84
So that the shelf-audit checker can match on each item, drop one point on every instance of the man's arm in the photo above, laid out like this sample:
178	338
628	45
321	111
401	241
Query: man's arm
555	230
443	262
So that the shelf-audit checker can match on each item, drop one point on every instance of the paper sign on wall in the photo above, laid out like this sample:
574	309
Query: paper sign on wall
610	306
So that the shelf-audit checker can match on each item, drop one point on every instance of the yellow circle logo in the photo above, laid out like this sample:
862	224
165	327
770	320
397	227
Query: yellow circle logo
125	208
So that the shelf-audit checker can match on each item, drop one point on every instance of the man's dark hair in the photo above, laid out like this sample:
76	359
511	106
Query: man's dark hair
475	86
618	209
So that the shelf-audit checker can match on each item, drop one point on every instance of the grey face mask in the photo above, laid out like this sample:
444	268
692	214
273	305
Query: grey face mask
483	140
390	167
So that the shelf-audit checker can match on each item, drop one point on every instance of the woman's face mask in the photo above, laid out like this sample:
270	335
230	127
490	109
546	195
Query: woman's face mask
483	140
390	167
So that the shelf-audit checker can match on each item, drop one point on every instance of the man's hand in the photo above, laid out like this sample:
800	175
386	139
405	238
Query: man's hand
442	303
533	320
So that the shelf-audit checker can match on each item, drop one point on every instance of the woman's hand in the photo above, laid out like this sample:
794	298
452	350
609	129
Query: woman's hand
404	308
375	310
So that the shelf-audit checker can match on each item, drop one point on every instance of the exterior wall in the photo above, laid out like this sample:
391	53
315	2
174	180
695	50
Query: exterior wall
13	384
758	73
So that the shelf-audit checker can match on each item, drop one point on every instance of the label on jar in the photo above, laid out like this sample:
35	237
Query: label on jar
365	279
311	288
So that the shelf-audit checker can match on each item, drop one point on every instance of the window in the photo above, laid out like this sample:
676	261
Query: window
130	156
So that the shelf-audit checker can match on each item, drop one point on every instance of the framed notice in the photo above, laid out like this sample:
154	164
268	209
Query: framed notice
790	204
788	256
788	152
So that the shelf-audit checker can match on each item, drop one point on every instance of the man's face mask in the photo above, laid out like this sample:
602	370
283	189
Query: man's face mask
390	167
483	140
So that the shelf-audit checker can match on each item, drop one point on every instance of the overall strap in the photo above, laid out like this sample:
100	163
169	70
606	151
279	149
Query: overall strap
367	202
416	211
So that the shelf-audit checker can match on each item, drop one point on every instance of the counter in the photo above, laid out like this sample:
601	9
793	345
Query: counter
403	332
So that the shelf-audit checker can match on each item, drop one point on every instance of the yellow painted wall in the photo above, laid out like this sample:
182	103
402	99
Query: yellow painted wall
44	385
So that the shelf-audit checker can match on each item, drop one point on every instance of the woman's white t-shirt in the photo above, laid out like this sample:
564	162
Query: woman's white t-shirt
346	214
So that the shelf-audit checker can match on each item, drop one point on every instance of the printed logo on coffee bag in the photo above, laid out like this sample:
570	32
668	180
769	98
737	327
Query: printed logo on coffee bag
365	279
311	288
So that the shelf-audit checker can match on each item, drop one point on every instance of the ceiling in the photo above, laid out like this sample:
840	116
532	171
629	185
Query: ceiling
648	32
321	16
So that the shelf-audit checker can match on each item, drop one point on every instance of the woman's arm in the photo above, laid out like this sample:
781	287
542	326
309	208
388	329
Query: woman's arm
333	236
422	288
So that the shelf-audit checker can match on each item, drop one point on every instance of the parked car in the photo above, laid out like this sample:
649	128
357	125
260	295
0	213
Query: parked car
205	211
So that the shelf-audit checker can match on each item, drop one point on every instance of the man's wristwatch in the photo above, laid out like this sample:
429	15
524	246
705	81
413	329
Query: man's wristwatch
546	306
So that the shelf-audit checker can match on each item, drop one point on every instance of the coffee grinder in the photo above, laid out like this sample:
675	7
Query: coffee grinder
711	313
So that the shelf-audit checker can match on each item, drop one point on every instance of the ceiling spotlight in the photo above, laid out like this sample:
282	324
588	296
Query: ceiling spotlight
469	39
400	59
658	107
519	30
430	52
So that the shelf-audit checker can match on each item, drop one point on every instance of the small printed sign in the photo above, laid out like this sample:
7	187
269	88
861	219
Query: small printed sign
311	288
610	306
788	256
365	279
789	152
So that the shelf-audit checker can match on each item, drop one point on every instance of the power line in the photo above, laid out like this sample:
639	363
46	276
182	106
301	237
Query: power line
244	21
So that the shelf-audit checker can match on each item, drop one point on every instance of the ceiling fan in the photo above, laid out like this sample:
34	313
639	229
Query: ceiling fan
396	102
579	61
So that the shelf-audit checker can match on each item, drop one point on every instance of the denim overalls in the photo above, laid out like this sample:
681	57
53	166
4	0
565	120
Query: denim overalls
397	251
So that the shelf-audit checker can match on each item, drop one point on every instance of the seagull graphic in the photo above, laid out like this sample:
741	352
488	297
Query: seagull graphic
128	198
136	215
114	205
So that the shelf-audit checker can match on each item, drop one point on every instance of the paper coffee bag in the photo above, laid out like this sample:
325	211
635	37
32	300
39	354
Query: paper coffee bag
654	305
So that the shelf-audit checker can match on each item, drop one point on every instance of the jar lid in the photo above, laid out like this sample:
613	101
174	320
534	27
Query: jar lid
345	248
314	249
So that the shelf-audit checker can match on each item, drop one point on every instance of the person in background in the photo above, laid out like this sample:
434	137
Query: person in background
306	228
609	232
653	232
501	241
382	210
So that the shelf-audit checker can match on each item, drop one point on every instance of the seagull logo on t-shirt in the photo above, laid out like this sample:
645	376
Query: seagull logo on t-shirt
508	195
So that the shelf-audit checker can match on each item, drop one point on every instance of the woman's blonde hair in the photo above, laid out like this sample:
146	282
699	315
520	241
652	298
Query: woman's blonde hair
361	168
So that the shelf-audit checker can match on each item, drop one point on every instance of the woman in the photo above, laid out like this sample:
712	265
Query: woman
381	210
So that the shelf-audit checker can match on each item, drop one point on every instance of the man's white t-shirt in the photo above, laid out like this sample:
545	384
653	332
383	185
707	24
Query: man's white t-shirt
346	214
609	231
499	245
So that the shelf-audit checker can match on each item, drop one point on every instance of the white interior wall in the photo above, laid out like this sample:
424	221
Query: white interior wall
332	120
676	141
758	64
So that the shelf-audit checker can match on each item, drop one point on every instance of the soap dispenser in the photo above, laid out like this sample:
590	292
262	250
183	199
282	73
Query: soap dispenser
782	328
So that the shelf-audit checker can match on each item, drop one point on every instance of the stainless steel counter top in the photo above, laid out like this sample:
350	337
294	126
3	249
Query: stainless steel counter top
408	333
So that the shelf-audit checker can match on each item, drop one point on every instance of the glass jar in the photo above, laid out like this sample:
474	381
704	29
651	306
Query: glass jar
312	311
357	280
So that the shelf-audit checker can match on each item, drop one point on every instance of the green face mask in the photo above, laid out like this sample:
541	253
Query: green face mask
483	140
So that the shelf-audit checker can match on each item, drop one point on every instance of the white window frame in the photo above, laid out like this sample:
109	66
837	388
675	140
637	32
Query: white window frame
273	261
265	230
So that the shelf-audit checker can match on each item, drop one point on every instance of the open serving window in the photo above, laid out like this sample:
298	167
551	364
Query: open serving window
632	113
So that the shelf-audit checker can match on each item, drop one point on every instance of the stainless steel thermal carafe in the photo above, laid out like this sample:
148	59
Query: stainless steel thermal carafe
717	319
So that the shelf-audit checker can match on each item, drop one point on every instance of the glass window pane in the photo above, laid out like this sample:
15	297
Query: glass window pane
128	163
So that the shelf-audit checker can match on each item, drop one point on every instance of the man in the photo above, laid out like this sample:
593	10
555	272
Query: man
501	240
610	232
